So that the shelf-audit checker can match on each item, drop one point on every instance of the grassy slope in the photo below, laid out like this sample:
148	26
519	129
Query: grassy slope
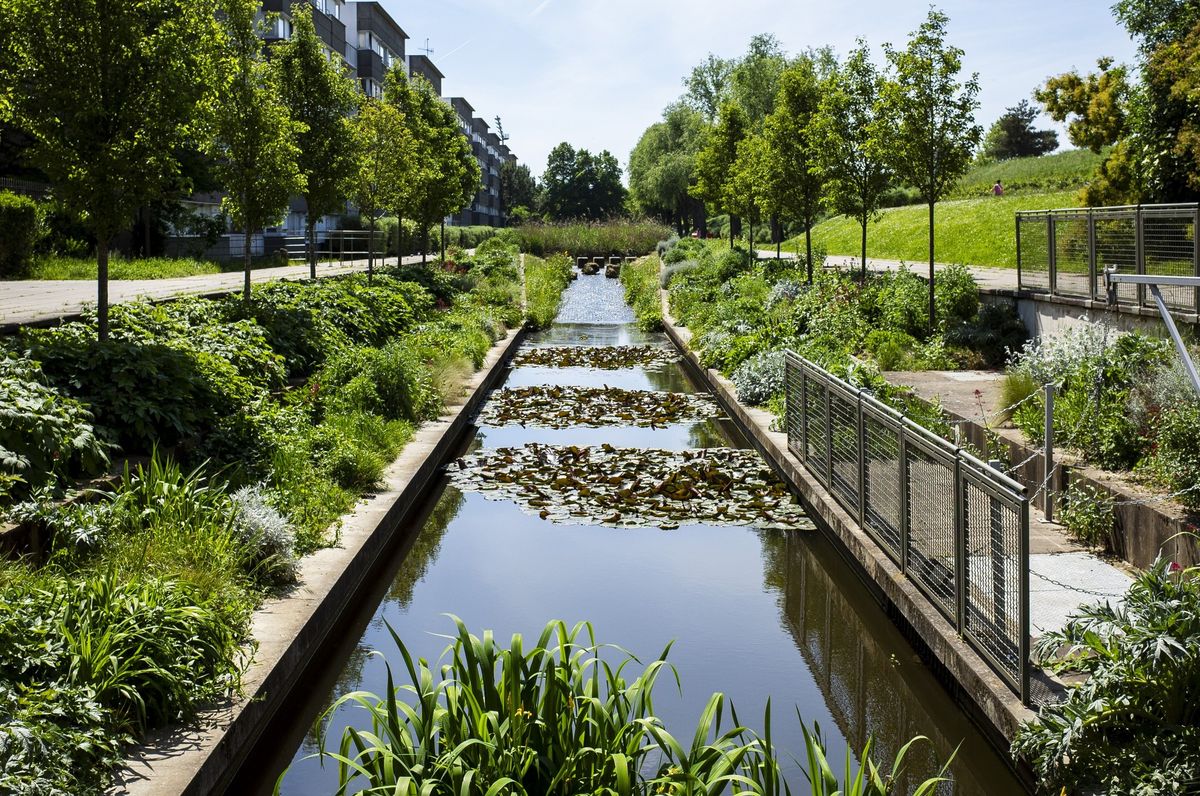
969	231
972	226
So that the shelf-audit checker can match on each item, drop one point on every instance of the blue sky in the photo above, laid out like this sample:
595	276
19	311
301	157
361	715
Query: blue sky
596	73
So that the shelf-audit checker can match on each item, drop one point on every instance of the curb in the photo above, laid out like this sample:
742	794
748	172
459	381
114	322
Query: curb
290	631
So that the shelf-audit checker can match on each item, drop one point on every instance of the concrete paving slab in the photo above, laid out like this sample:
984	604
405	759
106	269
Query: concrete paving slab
1059	583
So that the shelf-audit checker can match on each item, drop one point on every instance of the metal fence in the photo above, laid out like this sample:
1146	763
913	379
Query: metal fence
957	528
1065	252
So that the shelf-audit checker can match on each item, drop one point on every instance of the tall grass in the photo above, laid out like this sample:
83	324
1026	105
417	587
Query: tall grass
561	717
545	281
1061	171
641	281
592	239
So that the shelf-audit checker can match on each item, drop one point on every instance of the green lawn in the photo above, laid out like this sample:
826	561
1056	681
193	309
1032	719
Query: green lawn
54	267
1063	171
968	231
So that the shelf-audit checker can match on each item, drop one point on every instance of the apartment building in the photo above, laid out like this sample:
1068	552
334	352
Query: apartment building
377	45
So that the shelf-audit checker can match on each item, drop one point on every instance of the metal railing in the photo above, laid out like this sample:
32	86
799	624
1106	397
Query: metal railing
1065	252
956	527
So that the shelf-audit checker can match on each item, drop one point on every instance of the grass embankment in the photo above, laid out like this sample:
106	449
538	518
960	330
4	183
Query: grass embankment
640	279
545	281
967	231
135	609
1064	171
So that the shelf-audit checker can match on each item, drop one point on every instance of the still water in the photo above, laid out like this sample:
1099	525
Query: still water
754	614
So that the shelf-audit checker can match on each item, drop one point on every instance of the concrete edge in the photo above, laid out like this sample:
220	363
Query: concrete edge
972	682
288	631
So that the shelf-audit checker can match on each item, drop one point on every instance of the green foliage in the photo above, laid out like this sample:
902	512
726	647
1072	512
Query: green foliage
640	279
580	185
1013	135
254	146
1133	726
1088	514
662	163
617	237
1061	171
556	718
996	331
545	281
390	381
386	147
110	101
320	96
45	437
1174	460
715	162
18	234
851	131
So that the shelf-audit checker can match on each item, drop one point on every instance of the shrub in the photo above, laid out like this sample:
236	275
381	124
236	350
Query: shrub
892	350
18	234
676	255
1088	515
664	279
1133	726
996	331
731	263
545	281
1175	459
267	534
44	436
640	279
392	382
760	378
956	296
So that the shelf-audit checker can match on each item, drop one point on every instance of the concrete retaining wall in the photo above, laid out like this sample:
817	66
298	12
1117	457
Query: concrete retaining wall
289	631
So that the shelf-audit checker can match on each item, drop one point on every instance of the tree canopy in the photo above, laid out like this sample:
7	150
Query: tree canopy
662	166
580	185
320	95
715	162
1013	135
110	93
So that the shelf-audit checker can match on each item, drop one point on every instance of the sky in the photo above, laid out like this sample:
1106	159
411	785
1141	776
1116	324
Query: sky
596	73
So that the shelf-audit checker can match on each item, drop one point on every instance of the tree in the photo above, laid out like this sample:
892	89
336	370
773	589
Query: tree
754	81
386	151
708	86
109	93
578	184
518	187
794	148
662	166
751	179
320	95
851	131
934	132
715	162
445	176
1093	104
254	149
1013	135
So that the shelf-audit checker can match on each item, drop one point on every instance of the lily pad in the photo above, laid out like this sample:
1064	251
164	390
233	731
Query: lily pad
596	357
633	487
564	407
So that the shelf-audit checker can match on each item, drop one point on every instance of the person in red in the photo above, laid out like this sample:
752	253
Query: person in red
997	189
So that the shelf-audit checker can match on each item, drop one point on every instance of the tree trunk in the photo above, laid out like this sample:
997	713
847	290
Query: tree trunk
102	289
399	240
808	247
424	245
310	240
444	241
864	221
932	301
249	236
371	251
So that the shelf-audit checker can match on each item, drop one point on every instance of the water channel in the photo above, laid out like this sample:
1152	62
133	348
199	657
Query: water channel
755	613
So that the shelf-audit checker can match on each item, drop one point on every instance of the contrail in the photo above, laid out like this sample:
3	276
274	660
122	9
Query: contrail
456	49
541	7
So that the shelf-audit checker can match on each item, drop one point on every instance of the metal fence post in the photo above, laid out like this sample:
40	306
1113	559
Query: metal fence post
1020	284
1048	456
960	544
1196	255
1091	228
863	475
905	524
804	411
1023	596
1051	254
828	438
1139	252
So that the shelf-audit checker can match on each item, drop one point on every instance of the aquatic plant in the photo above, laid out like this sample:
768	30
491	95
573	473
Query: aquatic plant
564	407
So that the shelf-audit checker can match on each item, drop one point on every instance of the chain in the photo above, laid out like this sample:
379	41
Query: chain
1078	589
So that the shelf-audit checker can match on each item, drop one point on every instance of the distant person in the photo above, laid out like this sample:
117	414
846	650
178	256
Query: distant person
998	189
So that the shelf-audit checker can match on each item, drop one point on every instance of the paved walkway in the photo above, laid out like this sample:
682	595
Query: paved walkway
36	301
987	277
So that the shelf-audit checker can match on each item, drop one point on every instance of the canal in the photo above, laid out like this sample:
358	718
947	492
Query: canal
758	612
